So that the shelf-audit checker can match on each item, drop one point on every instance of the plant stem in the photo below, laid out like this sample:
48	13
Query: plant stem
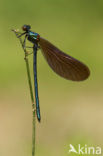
31	92
33	108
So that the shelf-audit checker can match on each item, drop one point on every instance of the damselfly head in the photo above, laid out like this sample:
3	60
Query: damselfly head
26	27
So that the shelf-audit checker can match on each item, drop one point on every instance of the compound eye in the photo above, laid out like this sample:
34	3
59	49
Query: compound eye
28	27
24	28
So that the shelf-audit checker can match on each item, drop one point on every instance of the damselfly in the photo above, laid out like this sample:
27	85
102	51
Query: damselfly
61	63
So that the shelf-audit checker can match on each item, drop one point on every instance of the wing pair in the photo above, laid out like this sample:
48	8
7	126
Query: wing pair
63	64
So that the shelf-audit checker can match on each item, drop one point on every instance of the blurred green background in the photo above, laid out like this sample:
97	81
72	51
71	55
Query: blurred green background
72	113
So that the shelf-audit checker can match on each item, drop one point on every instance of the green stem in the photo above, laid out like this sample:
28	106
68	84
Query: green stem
33	107
31	93
29	79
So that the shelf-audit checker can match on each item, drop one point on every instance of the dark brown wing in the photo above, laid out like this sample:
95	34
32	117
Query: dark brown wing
63	64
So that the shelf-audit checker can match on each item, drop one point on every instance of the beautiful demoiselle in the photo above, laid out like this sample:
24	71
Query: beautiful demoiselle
61	63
